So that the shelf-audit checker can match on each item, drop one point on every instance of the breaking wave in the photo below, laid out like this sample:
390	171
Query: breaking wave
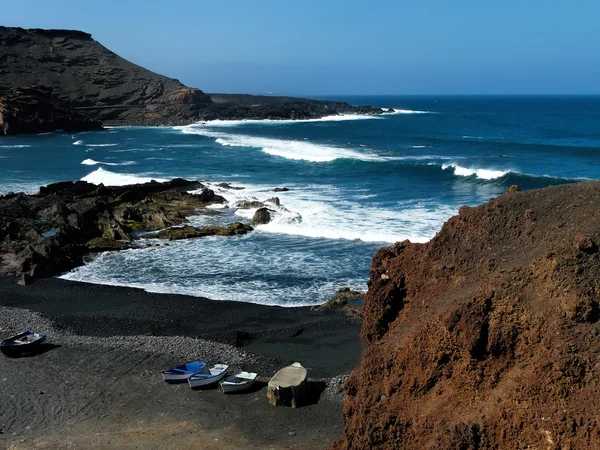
108	178
91	162
483	174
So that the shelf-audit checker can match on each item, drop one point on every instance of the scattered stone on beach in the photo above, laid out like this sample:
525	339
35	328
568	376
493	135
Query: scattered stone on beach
342	297
280	189
262	216
512	189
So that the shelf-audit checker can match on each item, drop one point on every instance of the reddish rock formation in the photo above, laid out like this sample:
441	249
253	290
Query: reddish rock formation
487	337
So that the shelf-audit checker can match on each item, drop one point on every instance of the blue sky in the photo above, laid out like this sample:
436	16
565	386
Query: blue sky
345	47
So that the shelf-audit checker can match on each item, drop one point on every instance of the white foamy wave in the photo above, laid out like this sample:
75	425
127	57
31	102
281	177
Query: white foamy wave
107	178
324	211
333	118
15	146
91	162
229	271
411	111
94	145
484	174
297	150
419	146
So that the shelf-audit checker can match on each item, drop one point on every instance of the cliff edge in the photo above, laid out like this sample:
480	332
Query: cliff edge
487	337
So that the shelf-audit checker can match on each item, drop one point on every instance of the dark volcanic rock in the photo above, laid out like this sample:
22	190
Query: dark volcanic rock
262	216
187	232
50	232
77	70
280	189
34	111
486	337
248	204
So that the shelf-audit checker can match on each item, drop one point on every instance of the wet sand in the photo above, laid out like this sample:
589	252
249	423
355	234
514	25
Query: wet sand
98	385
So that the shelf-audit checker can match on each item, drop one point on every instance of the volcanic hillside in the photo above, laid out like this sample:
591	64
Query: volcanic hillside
487	337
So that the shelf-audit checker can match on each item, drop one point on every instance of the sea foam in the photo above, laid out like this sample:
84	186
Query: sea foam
108	178
289	149
484	174
91	162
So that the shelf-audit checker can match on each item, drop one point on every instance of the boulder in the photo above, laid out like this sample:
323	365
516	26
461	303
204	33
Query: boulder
262	216
342	297
280	189
274	200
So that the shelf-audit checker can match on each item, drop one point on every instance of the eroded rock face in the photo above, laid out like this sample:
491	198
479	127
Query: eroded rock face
80	72
24	111
487	336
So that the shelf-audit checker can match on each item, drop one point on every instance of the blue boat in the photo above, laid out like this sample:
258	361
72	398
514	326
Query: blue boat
183	372
26	342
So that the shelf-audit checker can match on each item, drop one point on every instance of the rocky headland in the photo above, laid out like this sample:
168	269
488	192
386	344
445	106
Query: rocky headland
44	234
65	80
486	337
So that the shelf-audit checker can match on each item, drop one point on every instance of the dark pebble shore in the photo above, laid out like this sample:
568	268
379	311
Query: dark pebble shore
98	377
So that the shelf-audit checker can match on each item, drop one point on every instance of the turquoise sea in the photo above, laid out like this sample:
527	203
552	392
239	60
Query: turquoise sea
357	183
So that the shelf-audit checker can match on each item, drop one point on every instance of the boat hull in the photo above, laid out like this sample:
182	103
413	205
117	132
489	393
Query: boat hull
181	373
9	347
199	383
231	388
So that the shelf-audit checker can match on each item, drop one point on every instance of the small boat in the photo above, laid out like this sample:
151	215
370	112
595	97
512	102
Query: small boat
238	382
288	386
206	376
25	342
183	372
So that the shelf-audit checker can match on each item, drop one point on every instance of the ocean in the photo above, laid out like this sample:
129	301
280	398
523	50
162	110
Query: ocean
356	184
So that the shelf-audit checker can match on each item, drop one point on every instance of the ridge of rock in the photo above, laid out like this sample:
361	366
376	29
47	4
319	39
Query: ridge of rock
74	69
487	336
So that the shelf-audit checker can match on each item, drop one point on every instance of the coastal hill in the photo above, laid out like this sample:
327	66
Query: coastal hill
488	335
71	68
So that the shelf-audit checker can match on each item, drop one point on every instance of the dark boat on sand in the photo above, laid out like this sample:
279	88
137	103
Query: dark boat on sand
26	342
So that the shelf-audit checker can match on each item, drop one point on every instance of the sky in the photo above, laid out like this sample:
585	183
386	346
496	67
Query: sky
350	47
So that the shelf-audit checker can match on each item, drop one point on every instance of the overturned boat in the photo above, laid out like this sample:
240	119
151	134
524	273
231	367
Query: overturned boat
207	377
180	374
26	342
288	386
240	381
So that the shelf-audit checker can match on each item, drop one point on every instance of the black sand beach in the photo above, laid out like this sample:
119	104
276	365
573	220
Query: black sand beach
98	383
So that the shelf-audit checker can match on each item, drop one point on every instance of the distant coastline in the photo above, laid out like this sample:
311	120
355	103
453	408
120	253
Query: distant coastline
64	80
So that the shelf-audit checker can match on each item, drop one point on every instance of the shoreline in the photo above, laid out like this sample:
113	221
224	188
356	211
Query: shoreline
100	371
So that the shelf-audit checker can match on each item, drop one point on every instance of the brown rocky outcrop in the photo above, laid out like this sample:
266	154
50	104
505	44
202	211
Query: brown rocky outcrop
486	337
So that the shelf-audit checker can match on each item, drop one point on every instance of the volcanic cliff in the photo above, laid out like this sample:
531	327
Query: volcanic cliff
486	337
68	68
